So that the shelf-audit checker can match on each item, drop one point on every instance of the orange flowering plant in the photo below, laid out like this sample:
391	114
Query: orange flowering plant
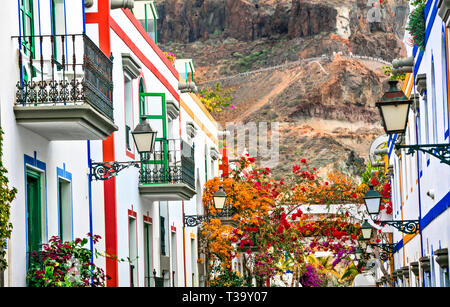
270	225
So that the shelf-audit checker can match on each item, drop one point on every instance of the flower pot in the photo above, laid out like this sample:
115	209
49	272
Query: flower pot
442	257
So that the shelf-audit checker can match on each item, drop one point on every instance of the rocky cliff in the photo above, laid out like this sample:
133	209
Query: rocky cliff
325	106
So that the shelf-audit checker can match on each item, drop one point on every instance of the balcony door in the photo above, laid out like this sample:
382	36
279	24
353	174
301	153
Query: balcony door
153	107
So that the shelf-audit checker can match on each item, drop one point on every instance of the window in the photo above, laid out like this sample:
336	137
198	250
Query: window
148	253
27	16
174	259
162	229
133	250
128	111
193	260
35	210
65	209
433	104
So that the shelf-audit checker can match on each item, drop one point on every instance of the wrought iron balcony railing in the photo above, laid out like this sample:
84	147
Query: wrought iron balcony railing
171	162
62	70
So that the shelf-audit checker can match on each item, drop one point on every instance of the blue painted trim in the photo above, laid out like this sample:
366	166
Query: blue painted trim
20	42
415	49
391	145
446	134
417	62
63	173
430	23
84	16
432	214
437	210
37	164
427	8
428	162
91	228
39	12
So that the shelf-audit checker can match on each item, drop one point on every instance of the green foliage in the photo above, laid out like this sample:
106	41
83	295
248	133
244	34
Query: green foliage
65	264
388	72
246	62
226	278
416	24
217	99
7	195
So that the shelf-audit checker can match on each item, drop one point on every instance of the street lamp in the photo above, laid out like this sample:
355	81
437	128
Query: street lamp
219	202
394	109
219	199
372	199
144	138
366	230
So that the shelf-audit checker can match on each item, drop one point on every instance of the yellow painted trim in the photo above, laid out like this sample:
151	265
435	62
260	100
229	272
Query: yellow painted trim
198	121
407	238
192	235
406	82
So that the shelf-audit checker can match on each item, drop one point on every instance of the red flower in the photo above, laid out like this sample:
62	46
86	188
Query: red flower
303	160
354	195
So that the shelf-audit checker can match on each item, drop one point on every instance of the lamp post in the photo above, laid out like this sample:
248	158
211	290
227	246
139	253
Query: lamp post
144	138
372	200
219	203
394	110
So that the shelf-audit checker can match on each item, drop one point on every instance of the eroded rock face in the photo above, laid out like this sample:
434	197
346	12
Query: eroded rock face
191	20
325	108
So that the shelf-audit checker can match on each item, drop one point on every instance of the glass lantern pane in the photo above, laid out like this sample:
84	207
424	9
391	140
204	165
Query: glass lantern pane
373	205
395	116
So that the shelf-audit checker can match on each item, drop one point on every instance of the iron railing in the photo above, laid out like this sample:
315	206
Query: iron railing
171	162
64	69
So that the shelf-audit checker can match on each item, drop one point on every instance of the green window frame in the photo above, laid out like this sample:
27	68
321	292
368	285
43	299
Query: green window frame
27	20
34	210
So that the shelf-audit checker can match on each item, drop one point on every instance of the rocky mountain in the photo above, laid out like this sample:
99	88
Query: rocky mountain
293	62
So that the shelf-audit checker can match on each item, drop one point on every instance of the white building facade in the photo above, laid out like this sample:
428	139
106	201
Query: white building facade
420	182
79	76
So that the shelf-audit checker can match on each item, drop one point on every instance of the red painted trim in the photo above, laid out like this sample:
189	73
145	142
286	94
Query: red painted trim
173	228
132	213
148	219
127	40
150	41
102	18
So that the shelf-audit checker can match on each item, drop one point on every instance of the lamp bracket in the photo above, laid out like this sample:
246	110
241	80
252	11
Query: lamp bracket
195	220
405	226
440	151
106	170
387	247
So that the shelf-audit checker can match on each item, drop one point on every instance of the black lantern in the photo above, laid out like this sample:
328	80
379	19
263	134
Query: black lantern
220	198
394	109
372	199
358	253
362	243
144	136
366	230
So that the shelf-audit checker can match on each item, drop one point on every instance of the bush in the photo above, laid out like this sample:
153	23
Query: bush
65	264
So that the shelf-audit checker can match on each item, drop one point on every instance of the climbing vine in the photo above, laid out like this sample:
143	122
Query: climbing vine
7	195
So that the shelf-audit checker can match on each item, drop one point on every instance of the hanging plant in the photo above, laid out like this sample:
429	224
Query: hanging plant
416	25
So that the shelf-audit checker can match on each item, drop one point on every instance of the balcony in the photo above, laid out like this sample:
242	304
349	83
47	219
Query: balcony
169	172
65	88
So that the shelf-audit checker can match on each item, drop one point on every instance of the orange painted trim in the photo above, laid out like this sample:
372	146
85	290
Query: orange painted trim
198	121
